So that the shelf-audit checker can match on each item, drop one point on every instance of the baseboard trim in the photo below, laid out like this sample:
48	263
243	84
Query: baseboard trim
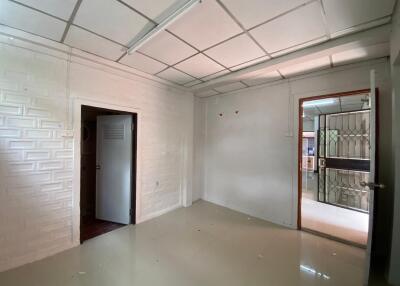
158	213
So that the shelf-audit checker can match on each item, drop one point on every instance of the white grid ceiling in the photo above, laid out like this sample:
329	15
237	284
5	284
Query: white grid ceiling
213	39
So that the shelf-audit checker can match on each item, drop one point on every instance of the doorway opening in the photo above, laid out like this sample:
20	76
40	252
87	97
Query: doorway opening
108	170
334	170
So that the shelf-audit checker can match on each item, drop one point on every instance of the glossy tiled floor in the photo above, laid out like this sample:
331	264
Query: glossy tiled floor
201	245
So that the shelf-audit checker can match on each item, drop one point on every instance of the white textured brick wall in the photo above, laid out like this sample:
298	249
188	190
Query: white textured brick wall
37	94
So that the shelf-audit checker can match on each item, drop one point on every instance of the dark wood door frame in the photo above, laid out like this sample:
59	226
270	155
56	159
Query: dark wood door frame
134	152
300	137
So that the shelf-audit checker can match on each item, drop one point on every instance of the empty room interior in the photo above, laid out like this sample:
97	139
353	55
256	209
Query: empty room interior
199	142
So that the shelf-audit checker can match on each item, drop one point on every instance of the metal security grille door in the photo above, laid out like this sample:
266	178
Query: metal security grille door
344	159
114	168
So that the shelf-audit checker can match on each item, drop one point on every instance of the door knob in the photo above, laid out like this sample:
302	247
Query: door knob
372	185
98	167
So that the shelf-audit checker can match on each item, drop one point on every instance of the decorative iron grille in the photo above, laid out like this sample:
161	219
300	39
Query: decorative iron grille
344	154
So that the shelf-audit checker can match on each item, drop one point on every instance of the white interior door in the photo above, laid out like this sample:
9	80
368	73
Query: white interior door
114	168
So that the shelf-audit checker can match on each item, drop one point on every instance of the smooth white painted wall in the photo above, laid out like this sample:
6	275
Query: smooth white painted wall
248	154
199	143
39	89
251	157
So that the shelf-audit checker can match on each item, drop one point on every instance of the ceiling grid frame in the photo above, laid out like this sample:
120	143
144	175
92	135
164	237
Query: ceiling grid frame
71	19
177	37
37	10
246	32
174	67
138	12
198	51
347	30
98	35
171	66
180	39
353	29
324	18
300	46
282	14
68	26
243	28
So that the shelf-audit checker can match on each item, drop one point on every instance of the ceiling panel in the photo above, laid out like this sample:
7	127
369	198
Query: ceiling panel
89	42
262	78
176	76
250	63
236	51
111	19
167	48
220	73
300	46
61	8
297	27
199	66
20	17
205	25
362	53
343	14
143	63
230	87
254	12
207	93
362	27
156	10
306	67
192	83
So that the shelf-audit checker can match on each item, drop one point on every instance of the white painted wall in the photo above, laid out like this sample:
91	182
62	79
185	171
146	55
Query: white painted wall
394	273
251	157
39	195
199	144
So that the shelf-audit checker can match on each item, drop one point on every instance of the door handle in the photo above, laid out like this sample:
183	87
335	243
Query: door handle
372	185
98	167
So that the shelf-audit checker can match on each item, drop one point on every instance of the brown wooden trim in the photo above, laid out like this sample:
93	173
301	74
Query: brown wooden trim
300	163
85	108
300	137
376	179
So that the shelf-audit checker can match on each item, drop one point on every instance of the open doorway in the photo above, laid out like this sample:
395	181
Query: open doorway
335	144
108	170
